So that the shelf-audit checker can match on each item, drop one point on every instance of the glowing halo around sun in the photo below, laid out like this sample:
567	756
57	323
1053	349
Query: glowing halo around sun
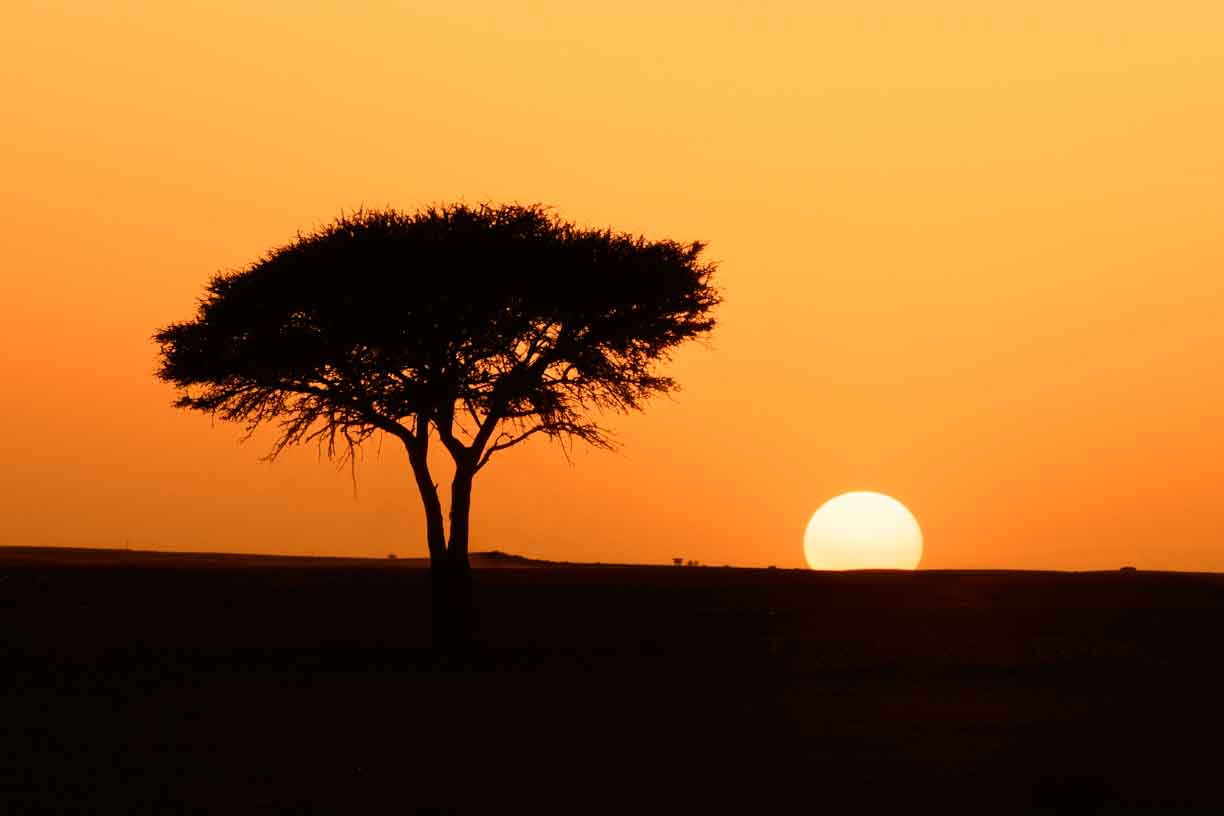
862	530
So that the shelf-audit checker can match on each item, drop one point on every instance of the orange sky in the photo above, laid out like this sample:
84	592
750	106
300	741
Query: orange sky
972	257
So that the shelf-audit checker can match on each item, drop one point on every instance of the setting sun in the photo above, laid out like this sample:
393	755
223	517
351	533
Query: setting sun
862	530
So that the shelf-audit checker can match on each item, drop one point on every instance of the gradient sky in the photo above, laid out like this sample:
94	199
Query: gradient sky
972	257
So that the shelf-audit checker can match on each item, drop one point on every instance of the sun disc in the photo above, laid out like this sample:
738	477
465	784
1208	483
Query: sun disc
862	530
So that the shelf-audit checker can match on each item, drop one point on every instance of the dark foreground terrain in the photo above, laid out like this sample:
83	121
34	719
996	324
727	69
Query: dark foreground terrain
177	684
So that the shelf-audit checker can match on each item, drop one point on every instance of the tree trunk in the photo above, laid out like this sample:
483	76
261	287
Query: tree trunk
450	581
435	531
454	608
460	514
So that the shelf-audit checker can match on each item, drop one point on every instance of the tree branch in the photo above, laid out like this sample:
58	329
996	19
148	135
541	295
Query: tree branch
511	441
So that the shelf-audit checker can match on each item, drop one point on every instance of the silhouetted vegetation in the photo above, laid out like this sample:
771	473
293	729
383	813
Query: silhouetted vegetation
478	326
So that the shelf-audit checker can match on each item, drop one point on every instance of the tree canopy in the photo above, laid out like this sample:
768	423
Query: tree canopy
480	325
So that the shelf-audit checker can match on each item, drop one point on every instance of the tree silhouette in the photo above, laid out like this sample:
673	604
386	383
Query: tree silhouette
480	326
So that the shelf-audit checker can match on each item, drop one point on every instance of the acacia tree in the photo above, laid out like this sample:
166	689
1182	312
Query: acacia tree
478	326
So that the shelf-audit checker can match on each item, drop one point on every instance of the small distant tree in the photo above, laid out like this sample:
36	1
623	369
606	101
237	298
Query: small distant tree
478	326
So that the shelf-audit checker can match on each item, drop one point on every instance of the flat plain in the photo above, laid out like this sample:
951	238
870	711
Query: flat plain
159	682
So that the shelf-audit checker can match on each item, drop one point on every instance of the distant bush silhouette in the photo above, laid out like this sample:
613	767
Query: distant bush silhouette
480	326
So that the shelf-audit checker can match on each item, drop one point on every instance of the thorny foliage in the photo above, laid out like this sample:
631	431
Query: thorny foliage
485	325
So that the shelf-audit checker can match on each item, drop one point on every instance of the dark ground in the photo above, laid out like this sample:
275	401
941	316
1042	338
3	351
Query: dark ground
175	684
